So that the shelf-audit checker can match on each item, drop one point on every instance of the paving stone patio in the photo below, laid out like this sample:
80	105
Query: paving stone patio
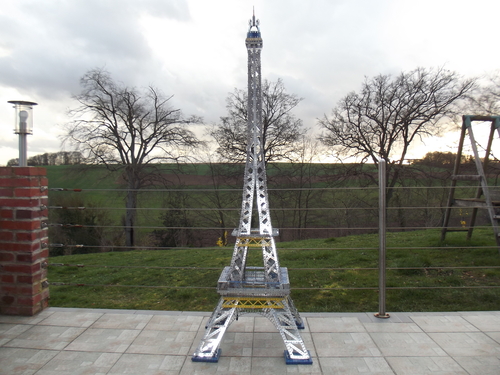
90	341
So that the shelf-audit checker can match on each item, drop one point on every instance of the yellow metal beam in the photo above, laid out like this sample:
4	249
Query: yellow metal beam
253	303
254	241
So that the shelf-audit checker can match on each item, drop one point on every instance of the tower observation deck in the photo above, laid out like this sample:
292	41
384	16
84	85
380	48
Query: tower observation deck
262	289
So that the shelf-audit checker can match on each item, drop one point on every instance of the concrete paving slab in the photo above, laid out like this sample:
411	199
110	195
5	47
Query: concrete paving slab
92	341
465	344
268	344
77	319
396	327
479	365
494	335
147	364
23	361
340	324
425	365
46	337
450	323
407	344
345	345
237	344
123	321
104	340
484	322
276	365
355	366
26	319
262	324
11	331
225	366
243	324
162	342
175	323
79	363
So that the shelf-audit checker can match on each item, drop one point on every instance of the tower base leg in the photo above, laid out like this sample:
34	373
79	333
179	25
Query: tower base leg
285	319
212	359
221	319
292	361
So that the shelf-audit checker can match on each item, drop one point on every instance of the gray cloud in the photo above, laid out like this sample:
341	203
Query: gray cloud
322	49
52	43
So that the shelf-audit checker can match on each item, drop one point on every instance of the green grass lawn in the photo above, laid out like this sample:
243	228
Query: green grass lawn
326	275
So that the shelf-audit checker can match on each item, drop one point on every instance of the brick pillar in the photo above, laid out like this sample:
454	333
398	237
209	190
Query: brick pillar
23	241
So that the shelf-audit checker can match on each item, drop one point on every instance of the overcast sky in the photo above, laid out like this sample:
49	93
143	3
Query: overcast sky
195	50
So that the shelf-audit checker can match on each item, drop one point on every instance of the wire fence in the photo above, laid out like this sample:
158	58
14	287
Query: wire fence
183	220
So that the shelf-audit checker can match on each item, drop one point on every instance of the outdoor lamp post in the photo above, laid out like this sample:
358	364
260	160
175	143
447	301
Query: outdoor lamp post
23	126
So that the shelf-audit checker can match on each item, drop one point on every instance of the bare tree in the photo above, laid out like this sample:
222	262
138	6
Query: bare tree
281	129
388	114
487	99
129	129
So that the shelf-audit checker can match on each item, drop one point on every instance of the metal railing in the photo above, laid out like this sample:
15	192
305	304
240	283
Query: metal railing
376	222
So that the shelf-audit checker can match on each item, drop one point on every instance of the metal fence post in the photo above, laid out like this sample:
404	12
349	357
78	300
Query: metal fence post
382	212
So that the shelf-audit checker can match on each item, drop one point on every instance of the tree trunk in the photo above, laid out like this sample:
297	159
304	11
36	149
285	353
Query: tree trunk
131	205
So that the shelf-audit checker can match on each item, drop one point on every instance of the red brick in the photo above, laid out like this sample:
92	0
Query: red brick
29	310
20	225
26	279
29	301
28	214
28	192
33	257
27	236
9	289
7	192
20	202
9	310
29	171
7	279
18	182
8	300
6	257
37	298
25	301
27	257
6	213
6	235
28	269
6	171
44	253
10	246
30	290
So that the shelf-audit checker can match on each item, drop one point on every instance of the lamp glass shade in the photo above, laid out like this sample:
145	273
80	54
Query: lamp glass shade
23	120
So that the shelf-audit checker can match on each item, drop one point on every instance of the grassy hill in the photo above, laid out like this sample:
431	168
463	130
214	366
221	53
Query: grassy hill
327	275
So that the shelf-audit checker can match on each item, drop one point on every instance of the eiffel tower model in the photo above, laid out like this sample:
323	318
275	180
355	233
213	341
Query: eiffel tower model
243	289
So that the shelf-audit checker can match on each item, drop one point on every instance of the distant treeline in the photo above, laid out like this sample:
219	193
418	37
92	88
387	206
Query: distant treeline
435	158
438	158
51	158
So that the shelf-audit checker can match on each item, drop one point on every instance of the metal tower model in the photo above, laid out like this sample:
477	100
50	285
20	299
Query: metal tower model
242	288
